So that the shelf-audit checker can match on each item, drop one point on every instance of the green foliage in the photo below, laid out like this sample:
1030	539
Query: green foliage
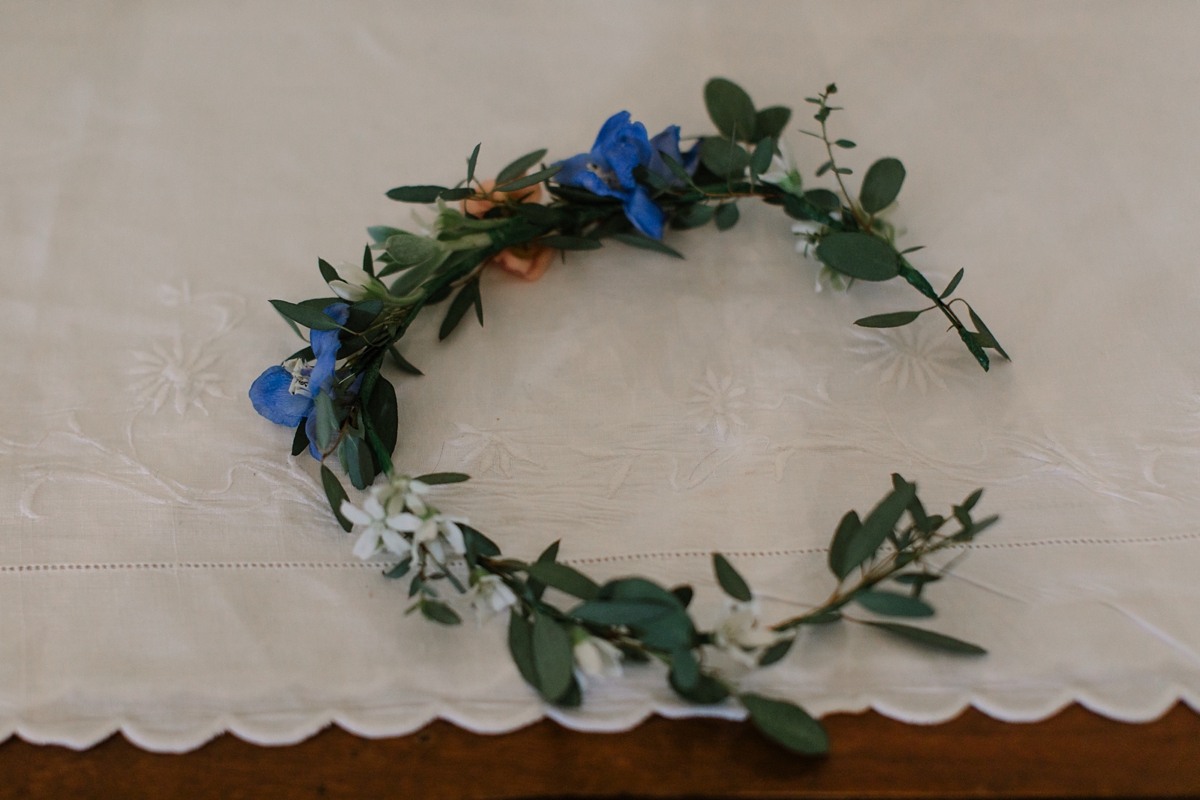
731	109
771	122
724	157
644	242
893	605
307	316
733	583
859	255
895	319
335	494
726	216
519	167
468	296
565	579
416	194
931	639
786	723
439	478
881	184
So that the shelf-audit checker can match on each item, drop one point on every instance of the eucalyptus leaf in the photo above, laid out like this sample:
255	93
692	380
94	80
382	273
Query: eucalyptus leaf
731	582
730	108
477	545
760	162
845	144
859	255
677	169
471	163
786	723
518	168
693	216
565	579
937	641
437	611
336	495
416	194
439	478
327	423
349	454
553	657
892	604
958	276
399	570
382	412
986	339
520	644
402	362
775	652
644	242
875	528
723	157
847	529
622	612
571	242
684	594
328	273
707	691
529	180
894	320
823	199
726	216
881	184
300	440
685	670
771	121
311	318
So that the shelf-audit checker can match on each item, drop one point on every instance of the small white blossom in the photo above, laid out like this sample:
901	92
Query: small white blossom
491	595
378	534
432	534
598	658
357	285
738	634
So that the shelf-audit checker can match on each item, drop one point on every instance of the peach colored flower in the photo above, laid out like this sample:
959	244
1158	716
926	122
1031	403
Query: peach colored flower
528	261
530	194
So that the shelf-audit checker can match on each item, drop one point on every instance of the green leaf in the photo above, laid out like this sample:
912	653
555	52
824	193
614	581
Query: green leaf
676	168
571	242
402	362
685	670
439	478
400	570
707	691
723	157
530	180
327	423
847	529
881	184
893	605
300	441
775	652
440	612
416	194
565	579
916	580
458	307
622	612
822	618
471	163
875	528
726	216
958	276
518	167
843	171
356	460
311	318
693	216
938	641
845	144
760	162
328	273
684	594
971	500
477	545
731	582
368	261
553	657
821	170
410	251
771	121
787	724
908	250
985	337
823	199
859	255
894	320
381	408
457	194
669	632
520	644
335	494
547	557
730	108
644	242
381	233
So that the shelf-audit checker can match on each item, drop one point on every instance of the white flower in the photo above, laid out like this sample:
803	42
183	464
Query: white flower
432	534
783	172
492	595
378	534
737	633
357	285
598	658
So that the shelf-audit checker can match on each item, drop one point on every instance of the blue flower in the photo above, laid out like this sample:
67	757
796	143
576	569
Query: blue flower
284	394
607	170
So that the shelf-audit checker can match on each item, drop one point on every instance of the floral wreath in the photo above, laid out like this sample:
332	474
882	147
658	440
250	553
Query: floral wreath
629	187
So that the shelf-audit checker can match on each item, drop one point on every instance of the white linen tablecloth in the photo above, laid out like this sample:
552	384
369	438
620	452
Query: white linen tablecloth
165	168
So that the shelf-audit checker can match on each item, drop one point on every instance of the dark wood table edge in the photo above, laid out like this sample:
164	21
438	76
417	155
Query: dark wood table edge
1075	753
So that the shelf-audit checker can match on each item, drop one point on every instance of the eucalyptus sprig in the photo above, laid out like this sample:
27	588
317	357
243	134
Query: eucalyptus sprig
586	628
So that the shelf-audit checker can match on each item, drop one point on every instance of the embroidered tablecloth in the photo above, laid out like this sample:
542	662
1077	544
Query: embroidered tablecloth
166	568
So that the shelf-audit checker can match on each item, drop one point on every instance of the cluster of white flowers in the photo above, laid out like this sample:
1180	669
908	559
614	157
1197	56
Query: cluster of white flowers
397	520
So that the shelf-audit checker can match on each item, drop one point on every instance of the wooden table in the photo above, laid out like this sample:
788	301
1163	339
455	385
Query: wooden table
1074	754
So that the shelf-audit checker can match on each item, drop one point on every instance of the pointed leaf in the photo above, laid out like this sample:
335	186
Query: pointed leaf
958	276
730	108
733	583
787	724
462	301
311	318
438	478
847	529
894	320
892	604
471	163
571	242
327	271
565	579
646	243
859	255
771	121
876	527
775	652
335	494
685	670
938	641
553	657
402	362
530	180
760	162
518	167
416	194
985	337
300	440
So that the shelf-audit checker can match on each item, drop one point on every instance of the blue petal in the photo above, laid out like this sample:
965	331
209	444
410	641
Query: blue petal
666	142
691	159
325	346
620	147
271	398
572	168
596	185
644	214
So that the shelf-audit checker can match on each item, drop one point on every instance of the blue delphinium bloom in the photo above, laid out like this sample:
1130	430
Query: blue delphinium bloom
607	170
284	394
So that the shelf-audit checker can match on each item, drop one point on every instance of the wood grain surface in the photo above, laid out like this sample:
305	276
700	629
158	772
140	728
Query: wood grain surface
1074	754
